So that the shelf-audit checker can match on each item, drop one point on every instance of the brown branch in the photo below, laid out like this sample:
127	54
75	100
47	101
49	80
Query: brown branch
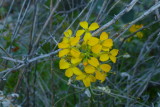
157	10
153	8
45	25
26	62
145	27
127	9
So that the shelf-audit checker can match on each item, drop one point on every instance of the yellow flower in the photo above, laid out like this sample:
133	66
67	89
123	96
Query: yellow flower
93	61
74	41
87	81
63	45
63	52
109	55
96	48
76	60
139	26
139	35
101	71
87	55
105	67
81	77
93	41
134	28
100	76
63	64
67	36
75	52
86	78
106	42
103	44
68	33
67	45
87	29
72	70
89	69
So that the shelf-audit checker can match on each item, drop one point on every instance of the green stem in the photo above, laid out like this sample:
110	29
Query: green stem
91	98
67	96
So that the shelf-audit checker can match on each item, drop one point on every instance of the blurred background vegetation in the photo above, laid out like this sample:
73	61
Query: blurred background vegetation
133	82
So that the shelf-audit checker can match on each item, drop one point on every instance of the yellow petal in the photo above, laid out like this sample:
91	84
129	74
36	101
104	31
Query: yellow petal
92	78
80	77
139	35
114	52
105	67
87	36
68	33
105	48
63	52
75	52
108	43
65	40
113	58
96	48
100	76
139	26
93	26
74	41
104	36
93	41
133	28
89	69
76	71
69	72
87	82
93	61
63	45
79	32
75	60
63	64
104	57
84	24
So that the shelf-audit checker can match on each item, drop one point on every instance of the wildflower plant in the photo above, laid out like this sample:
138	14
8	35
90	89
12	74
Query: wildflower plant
84	57
133	29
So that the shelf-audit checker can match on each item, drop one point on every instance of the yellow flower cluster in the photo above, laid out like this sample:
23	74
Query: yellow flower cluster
83	56
134	28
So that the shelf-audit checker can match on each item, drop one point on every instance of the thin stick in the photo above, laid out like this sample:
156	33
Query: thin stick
45	25
153	8
29	61
127	9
